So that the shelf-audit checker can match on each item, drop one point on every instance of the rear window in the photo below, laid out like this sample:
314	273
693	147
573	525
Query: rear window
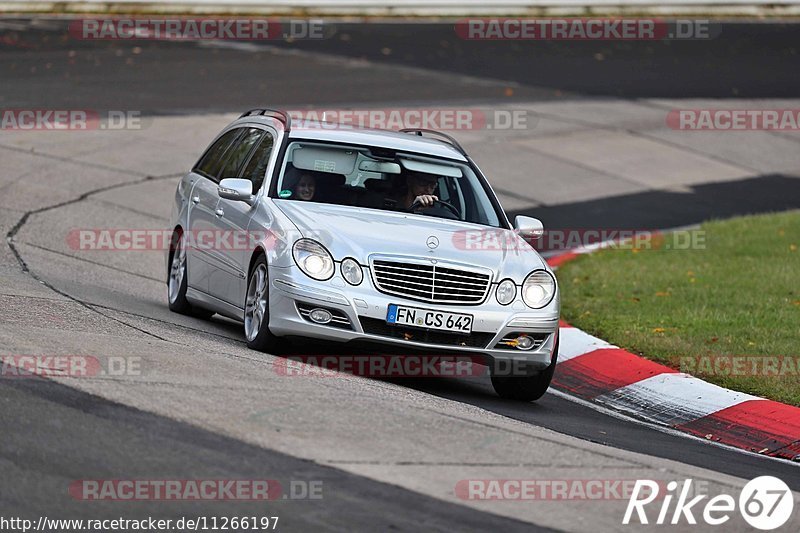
211	162
238	152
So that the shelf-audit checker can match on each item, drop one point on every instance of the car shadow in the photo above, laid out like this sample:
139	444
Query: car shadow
474	389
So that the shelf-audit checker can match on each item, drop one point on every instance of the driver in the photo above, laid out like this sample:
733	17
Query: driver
419	188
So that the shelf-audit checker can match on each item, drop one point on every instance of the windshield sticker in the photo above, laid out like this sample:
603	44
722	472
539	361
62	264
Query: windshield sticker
324	166
285	193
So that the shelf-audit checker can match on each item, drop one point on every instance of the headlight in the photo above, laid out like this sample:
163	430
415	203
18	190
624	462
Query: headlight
538	289
313	259
351	271
506	292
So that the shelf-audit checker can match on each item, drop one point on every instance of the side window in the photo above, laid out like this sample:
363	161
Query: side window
212	160
257	166
450	192
444	190
237	155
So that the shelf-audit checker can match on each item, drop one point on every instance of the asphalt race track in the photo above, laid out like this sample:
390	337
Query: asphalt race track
388	454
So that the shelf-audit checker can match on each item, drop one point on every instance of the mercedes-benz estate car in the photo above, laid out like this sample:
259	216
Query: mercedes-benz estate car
369	237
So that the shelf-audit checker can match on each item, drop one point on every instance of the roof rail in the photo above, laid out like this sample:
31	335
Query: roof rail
443	136
283	116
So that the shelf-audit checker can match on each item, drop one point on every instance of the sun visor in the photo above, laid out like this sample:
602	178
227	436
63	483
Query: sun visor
324	159
431	168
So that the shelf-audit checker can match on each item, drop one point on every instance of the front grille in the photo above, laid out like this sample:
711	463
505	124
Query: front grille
375	326
430	282
338	318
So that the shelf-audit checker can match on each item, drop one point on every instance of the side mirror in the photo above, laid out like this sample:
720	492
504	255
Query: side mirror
236	189
528	227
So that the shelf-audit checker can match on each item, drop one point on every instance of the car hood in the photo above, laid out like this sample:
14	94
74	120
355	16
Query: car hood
358	232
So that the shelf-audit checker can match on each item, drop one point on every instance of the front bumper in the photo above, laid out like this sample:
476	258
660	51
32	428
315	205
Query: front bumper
363	321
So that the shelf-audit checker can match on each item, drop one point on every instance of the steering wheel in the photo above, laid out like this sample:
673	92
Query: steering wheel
450	207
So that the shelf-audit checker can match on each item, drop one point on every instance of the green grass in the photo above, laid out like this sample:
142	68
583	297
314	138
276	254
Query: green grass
739	295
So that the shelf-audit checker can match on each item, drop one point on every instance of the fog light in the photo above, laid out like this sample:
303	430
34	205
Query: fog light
523	342
320	316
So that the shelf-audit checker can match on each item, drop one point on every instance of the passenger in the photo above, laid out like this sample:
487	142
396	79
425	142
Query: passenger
302	184
306	186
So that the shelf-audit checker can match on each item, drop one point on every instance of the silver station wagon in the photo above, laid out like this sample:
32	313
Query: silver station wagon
385	240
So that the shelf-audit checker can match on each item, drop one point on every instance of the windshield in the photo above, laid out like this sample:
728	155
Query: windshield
378	178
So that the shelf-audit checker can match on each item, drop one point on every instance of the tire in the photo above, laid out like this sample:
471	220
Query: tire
526	388
256	310
176	283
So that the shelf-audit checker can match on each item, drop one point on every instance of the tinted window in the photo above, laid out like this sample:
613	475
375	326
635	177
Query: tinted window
237	154
257	167
212	160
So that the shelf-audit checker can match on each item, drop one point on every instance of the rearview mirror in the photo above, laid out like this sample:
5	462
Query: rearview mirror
385	167
529	227
236	189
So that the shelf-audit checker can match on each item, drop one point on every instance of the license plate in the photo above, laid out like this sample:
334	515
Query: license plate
428	319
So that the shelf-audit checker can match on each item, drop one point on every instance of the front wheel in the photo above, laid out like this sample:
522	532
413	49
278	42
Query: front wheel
256	310
526	388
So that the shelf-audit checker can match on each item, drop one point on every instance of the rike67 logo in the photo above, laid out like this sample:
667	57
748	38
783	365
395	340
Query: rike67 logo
765	503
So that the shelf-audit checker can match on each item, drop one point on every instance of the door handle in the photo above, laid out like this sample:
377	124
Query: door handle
196	200
219	212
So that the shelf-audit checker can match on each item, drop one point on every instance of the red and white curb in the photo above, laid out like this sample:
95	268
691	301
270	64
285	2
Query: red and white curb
594	370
